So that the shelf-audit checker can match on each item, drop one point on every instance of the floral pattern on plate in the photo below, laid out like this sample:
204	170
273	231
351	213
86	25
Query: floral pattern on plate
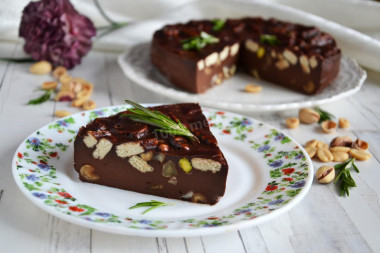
288	170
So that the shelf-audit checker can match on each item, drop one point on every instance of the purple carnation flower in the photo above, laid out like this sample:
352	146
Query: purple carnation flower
54	31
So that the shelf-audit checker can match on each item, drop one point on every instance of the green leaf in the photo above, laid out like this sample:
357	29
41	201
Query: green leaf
324	115
45	97
153	204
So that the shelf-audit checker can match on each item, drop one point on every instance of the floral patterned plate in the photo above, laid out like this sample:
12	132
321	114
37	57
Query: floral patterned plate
269	173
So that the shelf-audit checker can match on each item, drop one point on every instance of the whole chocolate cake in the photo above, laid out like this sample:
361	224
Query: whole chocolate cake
119	152
298	57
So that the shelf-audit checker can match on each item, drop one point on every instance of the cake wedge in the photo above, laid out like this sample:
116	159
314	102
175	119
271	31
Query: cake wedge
120	152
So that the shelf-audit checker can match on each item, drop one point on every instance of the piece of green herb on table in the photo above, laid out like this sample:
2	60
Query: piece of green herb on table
324	115
155	118
152	204
269	39
199	42
344	178
45	97
218	24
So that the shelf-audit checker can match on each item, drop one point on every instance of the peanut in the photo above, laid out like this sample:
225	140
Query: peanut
62	113
49	85
65	78
78	102
253	88
40	68
321	144
339	156
325	174
89	105
312	143
360	154
292	122
308	116
343	123
360	144
58	71
64	96
340	149
324	155
328	126
311	151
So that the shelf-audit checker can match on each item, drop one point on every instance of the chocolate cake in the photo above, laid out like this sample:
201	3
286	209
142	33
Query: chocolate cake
298	57
119	152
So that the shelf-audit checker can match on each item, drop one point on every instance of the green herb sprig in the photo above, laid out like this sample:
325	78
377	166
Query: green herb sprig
324	115
155	118
344	178
218	24
199	42
45	97
153	204
269	39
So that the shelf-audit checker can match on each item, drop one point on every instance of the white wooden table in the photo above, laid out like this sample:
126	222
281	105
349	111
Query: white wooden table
321	222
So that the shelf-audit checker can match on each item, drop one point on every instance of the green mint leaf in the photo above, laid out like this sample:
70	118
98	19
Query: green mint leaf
153	204
324	115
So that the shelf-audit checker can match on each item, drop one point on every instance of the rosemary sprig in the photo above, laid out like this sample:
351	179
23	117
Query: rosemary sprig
344	178
45	97
199	42
324	115
269	39
155	118
153	204
218	24
16	60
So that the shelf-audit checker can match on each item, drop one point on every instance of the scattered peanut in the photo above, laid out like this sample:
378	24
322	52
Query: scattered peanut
312	143
62	113
58	71
339	156
360	154
321	144
341	141
343	123
308	116
324	155
253	88
340	149
360	144
40	68
325	174
78	102
49	85
311	151
292	122
64	78
64	96
89	105
328	126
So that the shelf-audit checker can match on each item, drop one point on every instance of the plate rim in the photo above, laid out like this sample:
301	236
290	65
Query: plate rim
179	232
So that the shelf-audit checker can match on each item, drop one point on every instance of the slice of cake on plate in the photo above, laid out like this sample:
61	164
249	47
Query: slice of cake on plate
121	152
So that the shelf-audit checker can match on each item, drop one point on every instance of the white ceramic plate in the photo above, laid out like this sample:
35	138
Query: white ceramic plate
136	64
269	173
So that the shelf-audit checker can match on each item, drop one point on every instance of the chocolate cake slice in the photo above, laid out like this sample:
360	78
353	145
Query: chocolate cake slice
119	152
298	57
